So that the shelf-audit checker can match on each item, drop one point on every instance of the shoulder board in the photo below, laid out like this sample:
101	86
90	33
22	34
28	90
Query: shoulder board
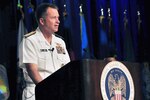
58	36
29	34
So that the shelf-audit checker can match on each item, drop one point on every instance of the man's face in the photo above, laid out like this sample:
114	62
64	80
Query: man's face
51	22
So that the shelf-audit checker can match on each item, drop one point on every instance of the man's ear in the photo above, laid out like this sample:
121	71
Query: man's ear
41	21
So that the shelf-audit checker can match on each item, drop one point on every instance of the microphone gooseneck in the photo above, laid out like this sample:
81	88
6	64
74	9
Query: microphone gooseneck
52	49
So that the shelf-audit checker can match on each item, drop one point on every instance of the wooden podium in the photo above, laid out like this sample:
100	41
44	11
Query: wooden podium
80	80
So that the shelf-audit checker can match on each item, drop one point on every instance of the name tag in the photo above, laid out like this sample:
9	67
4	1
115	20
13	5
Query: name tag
43	50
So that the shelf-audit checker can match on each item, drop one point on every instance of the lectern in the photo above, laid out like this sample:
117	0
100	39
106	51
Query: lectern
80	80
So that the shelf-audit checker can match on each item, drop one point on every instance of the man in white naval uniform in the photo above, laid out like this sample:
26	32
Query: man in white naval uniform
41	53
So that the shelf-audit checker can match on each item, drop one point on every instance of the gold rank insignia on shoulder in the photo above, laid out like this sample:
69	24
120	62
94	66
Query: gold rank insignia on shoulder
29	34
60	49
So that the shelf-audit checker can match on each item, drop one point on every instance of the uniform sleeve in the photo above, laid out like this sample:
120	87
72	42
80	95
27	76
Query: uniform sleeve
27	52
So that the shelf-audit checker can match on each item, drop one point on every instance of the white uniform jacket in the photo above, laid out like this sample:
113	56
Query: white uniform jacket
49	57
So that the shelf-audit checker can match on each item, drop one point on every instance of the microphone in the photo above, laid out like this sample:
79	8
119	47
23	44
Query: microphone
52	49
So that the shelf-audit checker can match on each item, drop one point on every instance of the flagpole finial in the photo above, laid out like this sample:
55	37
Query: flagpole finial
139	21
109	20
80	8
109	12
19	6
102	15
125	18
138	13
125	12
65	11
64	5
102	12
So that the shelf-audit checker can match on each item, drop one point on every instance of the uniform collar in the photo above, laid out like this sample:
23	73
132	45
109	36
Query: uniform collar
42	38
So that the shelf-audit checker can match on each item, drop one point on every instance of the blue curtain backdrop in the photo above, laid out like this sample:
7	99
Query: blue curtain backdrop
112	27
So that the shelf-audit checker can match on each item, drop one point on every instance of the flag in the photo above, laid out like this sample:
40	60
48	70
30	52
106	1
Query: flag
103	38
21	28
111	36
85	52
21	32
141	51
128	51
20	79
67	31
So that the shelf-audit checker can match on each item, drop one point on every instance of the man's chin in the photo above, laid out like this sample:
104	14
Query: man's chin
56	30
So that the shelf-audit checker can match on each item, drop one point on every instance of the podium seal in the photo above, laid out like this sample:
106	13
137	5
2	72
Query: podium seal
116	82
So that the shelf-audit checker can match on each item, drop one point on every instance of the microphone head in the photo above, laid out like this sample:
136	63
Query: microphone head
52	49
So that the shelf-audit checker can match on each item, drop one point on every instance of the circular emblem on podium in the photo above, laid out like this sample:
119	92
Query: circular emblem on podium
116	82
